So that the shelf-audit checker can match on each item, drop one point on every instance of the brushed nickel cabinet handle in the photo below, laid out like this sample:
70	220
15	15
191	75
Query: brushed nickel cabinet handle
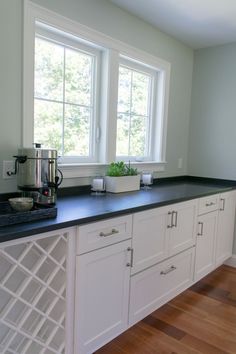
176	218
169	226
201	231
223	204
130	264
112	232
171	269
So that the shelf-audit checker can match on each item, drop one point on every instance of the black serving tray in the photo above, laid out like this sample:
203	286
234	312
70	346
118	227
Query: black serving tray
8	216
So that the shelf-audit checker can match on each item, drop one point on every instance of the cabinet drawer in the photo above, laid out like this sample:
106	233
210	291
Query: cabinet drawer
103	233
207	204
155	286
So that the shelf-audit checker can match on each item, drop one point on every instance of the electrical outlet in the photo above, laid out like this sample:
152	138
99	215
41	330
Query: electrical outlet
8	170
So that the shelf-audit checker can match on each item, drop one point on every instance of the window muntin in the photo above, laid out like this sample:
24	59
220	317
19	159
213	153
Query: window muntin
65	99
134	112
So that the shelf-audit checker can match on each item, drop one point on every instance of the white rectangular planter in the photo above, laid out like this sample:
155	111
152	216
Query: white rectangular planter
122	184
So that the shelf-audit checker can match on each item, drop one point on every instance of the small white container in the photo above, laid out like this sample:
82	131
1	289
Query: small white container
122	184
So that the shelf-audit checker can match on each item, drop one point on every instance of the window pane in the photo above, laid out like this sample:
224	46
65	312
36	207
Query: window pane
134	100
78	78
140	93
48	70
48	124
138	141
124	90
122	143
77	131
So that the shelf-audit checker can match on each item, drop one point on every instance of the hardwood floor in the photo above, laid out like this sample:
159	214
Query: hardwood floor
200	320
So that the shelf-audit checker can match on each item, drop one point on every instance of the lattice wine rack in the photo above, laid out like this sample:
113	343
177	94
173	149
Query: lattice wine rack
33	295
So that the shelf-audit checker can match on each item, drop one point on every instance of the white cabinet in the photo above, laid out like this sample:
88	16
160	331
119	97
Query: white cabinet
215	232
150	237
225	228
102	282
155	286
208	204
183	230
102	296
162	232
205	247
103	233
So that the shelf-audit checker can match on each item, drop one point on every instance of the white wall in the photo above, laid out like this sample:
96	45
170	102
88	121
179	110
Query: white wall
212	140
107	18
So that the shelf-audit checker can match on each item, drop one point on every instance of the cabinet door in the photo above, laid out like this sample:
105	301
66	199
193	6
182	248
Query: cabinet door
156	285
183	230
150	237
225	229
102	295
205	247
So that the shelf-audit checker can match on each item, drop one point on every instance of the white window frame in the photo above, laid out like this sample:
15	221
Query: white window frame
113	50
49	34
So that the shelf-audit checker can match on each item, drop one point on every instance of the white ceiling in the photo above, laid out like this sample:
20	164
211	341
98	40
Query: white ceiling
198	23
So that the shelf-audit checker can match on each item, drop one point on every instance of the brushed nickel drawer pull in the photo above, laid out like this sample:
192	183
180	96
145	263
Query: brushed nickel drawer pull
112	232
210	204
201	231
171	269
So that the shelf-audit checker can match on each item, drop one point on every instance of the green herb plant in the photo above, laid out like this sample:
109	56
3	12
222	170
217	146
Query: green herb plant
119	169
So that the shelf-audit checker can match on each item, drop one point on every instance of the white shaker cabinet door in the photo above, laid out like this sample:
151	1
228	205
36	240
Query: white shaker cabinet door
225	229
183	230
150	237
205	246
102	296
156	285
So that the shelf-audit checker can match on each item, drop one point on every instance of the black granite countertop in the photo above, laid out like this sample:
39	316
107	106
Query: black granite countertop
84	208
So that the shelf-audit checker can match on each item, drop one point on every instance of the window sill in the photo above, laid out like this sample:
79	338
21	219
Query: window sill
98	169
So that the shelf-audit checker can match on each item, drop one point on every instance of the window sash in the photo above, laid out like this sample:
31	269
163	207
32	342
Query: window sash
94	53
137	67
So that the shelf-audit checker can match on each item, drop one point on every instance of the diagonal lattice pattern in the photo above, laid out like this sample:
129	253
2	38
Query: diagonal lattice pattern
32	296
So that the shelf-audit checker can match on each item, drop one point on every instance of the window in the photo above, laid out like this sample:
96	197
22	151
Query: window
92	98
135	112
65	81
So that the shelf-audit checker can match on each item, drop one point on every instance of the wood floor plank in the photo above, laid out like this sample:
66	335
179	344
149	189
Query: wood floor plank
201	329
207	308
201	320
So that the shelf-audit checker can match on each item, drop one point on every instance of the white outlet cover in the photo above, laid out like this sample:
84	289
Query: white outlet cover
8	166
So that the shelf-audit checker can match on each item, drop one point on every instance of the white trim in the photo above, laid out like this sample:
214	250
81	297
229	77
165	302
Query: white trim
91	170
112	48
38	236
87	33
231	261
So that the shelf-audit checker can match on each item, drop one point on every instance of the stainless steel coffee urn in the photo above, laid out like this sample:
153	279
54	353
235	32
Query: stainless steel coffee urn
37	174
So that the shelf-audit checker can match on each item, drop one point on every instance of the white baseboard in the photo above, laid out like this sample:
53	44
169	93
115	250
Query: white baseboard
231	261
